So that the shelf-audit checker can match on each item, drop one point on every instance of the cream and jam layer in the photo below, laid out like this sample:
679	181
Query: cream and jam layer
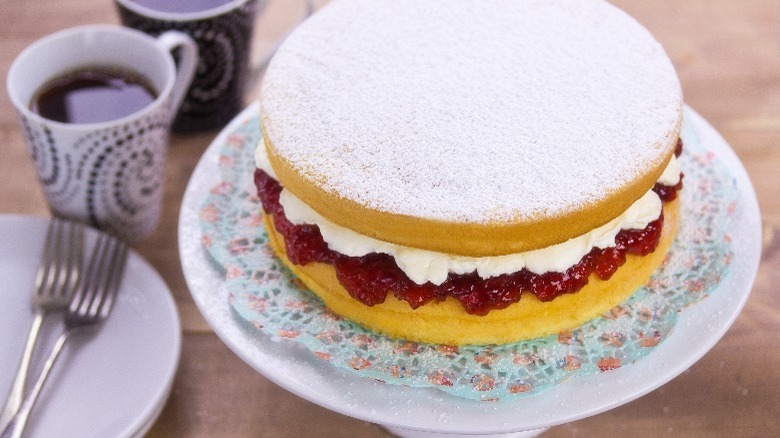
423	266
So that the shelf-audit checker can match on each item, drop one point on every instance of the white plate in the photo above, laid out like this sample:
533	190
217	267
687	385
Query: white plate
113	383
293	367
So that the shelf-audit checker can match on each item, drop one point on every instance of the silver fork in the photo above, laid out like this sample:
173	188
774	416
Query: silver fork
89	307
55	283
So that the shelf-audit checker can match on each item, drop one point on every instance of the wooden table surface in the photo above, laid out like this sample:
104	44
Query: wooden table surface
727	54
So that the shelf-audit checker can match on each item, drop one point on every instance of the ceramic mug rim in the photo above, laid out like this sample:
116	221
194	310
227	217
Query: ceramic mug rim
44	43
182	16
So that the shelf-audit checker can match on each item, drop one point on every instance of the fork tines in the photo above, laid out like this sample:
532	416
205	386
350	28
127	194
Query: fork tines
58	273
102	279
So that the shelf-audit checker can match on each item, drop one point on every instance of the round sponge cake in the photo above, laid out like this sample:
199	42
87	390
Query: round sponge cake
471	128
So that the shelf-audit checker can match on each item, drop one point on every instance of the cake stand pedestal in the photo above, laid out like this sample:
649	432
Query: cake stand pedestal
408	433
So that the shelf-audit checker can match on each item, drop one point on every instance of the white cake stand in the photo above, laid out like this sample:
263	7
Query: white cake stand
427	412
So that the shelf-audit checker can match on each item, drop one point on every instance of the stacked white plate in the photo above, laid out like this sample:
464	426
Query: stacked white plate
113	382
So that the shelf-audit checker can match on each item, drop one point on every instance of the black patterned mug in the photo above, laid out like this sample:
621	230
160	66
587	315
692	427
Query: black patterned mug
223	31
101	168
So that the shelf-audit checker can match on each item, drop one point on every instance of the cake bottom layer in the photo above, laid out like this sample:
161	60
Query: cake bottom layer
446	322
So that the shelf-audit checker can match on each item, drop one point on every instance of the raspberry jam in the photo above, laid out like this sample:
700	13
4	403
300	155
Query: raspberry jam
668	193
369	278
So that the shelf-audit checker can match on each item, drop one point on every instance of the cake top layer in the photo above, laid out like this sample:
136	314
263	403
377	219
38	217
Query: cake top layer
472	112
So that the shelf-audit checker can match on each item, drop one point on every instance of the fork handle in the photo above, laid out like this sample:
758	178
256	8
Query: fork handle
19	421
16	394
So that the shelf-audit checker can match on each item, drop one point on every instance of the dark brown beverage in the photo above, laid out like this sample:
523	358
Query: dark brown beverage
93	95
181	6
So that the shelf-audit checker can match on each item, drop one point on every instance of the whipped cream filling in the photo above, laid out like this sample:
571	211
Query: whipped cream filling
423	266
671	175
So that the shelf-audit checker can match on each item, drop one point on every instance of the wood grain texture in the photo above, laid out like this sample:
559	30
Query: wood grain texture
727	54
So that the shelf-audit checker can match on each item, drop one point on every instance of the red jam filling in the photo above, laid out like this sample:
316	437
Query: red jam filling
369	278
668	193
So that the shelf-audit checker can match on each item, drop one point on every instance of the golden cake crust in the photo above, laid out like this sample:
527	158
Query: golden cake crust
448	323
485	132
468	238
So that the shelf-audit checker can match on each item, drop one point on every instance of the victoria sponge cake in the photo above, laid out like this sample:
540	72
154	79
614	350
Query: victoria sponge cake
470	172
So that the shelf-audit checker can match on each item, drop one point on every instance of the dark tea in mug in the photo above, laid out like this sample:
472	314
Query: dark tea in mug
93	94
181	6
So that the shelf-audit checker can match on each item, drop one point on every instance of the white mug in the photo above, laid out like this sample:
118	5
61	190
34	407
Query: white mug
107	174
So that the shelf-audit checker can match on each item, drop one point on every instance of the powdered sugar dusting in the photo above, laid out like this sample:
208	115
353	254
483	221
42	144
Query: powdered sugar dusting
472	111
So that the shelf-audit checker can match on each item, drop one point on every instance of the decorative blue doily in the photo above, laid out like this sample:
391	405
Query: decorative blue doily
266	295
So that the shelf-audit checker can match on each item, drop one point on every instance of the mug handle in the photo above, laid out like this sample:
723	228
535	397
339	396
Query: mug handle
257	70
188	62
